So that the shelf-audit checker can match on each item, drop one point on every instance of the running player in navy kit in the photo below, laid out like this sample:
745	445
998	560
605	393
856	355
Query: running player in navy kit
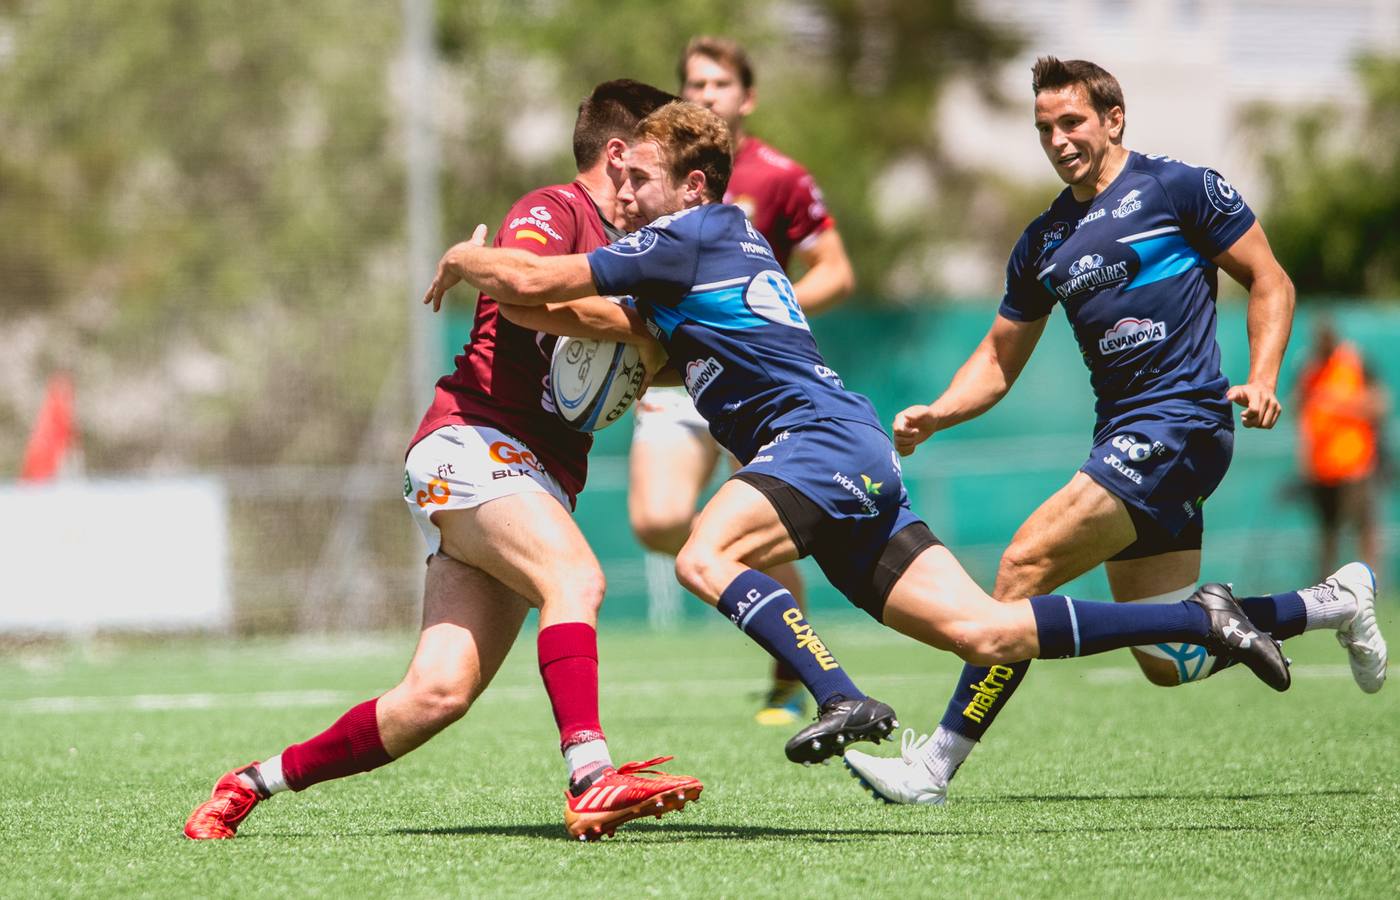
820	476
1131	250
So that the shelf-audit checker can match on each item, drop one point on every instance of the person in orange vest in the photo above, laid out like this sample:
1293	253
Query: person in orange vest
1343	408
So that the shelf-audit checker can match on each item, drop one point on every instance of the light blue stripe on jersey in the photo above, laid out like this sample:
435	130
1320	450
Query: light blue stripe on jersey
723	309
1162	258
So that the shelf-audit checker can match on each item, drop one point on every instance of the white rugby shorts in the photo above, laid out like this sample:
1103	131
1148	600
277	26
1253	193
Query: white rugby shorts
661	412
464	466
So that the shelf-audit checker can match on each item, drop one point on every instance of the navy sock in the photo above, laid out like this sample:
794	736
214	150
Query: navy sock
1281	615
765	611
981	693
1082	627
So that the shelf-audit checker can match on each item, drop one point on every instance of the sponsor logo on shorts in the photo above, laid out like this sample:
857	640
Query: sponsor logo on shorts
1123	469
871	487
508	454
1137	450
766	458
700	374
407	484
437	493
1128	205
855	490
987	691
781	436
807	640
1128	333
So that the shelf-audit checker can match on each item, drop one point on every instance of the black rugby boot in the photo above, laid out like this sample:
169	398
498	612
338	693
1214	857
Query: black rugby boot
1233	635
839	724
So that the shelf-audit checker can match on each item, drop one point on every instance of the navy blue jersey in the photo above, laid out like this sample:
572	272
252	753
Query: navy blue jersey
1132	269
715	297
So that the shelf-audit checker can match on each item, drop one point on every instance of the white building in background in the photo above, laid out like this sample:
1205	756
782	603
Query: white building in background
1188	68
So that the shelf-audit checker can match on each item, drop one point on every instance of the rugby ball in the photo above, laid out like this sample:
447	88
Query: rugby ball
594	382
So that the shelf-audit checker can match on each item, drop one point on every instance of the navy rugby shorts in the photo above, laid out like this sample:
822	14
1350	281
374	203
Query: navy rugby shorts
837	487
1163	466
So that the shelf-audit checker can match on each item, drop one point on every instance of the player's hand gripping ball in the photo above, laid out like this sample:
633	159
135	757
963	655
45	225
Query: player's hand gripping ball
594	382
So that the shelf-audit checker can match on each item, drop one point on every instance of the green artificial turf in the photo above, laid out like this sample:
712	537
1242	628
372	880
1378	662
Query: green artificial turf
1093	783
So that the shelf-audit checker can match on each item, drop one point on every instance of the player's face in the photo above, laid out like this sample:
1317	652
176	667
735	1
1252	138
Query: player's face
649	192
717	87
1076	140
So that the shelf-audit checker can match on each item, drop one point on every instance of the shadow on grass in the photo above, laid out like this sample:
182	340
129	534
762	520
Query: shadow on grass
1075	798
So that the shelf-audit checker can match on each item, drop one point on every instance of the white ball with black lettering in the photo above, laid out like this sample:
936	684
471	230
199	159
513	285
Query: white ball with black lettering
594	382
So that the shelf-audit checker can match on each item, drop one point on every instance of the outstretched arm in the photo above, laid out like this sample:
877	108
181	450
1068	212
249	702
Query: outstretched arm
982	381
510	276
1251	262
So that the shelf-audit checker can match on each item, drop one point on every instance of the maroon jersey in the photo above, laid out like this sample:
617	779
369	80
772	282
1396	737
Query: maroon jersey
502	376
779	197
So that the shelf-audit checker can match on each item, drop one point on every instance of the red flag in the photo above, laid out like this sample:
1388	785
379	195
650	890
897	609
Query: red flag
53	433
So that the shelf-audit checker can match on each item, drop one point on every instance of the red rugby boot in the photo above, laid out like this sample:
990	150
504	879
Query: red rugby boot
619	796
229	804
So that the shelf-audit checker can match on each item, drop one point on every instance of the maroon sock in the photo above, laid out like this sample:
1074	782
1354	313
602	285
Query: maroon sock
350	746
569	667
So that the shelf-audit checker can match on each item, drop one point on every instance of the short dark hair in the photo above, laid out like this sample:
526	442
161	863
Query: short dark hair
724	51
692	138
612	111
1104	91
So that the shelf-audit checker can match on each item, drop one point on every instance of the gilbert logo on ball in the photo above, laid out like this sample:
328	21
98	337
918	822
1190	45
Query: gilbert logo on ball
593	382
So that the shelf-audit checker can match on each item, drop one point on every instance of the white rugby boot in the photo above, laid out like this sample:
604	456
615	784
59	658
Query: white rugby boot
1361	636
903	780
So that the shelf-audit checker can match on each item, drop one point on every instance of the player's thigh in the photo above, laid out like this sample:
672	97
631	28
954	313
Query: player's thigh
739	528
470	622
1079	526
935	601
670	463
529	542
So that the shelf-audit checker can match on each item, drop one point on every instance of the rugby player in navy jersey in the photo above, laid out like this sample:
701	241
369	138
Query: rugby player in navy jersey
820	477
1131	250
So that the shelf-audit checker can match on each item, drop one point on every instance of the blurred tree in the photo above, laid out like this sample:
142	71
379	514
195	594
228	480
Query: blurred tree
197	201
1334	186
850	89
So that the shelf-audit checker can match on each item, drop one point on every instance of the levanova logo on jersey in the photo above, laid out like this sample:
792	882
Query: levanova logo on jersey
1088	272
1128	205
1129	333
700	374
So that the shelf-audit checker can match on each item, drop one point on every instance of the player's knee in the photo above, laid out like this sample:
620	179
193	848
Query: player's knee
438	702
695	570
1161	672
987	644
660	533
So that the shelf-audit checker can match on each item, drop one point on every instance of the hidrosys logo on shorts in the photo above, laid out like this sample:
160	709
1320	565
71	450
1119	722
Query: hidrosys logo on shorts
855	490
1129	333
700	374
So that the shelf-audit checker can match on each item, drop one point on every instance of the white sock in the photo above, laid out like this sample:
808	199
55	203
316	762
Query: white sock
944	752
1327	607
585	755
271	772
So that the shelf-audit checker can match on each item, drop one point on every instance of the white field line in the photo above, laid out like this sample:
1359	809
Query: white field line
287	699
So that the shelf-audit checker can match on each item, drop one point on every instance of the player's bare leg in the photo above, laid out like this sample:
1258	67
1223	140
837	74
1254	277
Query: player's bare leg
530	543
736	538
669	465
470	621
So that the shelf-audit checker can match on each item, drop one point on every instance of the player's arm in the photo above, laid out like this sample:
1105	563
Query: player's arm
508	275
600	318
1251	262
829	278
979	384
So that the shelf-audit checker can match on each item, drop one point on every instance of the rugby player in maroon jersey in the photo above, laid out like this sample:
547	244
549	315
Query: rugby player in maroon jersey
673	454
491	477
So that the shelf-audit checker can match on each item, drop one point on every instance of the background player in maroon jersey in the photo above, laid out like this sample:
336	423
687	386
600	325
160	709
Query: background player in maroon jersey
491	476
673	454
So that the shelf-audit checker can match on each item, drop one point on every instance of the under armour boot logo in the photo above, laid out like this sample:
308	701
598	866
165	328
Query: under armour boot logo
1245	637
